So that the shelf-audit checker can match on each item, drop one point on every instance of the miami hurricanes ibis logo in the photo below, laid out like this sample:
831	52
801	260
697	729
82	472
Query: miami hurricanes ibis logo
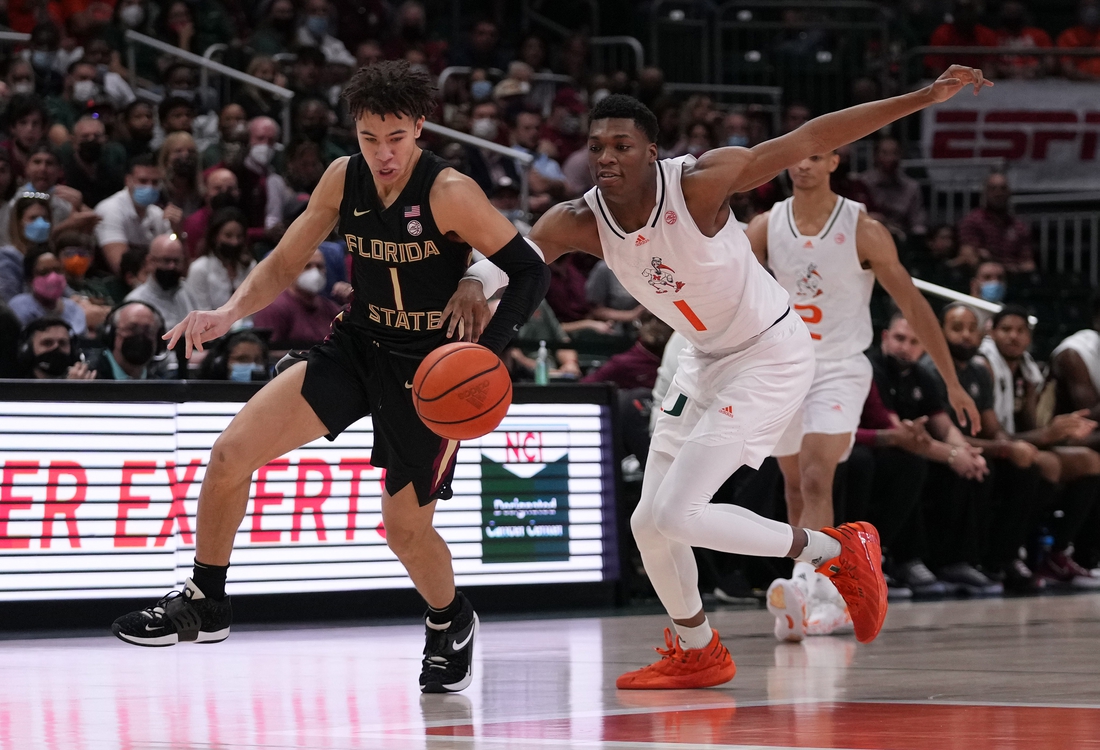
809	286
660	277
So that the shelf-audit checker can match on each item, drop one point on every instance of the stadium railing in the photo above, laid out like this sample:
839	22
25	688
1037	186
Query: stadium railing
951	187
1066	230
205	63
530	15
681	37
612	53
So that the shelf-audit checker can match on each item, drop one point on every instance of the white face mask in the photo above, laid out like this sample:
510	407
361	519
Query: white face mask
85	90
261	153
484	127
132	16
311	280
23	87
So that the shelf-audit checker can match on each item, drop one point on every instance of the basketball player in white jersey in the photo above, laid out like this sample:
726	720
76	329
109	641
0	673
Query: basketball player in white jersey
666	231
827	252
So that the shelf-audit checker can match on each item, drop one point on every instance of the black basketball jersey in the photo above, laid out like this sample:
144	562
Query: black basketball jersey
403	269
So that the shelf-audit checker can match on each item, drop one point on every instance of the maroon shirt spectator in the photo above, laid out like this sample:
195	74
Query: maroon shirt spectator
634	368
992	232
301	313
965	31
875	417
565	126
221	191
898	202
1015	32
566	294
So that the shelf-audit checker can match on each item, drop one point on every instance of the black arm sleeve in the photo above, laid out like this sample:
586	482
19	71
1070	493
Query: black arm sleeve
528	281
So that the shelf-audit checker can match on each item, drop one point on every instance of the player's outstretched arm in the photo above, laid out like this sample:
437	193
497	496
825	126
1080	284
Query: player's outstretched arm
735	170
275	272
460	206
877	249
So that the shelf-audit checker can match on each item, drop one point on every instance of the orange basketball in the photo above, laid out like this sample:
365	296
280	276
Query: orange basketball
462	391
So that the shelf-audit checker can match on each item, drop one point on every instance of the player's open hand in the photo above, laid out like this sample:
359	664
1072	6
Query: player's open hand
955	79
467	312
966	412
199	327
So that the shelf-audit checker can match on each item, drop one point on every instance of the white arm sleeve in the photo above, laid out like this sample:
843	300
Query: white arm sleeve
491	277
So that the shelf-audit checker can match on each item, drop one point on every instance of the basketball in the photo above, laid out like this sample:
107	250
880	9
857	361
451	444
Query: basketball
462	391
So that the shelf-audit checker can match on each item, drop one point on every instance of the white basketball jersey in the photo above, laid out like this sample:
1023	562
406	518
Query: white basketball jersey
822	273
710	289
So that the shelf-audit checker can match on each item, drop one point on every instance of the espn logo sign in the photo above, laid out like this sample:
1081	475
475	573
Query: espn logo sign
1015	134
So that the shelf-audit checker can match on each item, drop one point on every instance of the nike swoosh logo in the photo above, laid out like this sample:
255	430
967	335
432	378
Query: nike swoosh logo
151	629
408	385
357	212
458	646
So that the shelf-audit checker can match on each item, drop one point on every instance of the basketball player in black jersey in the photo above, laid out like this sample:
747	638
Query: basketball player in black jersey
410	222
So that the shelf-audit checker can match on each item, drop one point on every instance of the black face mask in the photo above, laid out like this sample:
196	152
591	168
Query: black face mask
228	252
167	278
284	25
316	133
223	200
89	151
961	353
54	362
137	350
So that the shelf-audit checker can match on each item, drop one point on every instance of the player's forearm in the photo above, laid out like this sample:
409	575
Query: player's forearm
837	129
920	316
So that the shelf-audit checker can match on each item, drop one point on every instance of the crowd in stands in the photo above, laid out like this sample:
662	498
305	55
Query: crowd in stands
127	201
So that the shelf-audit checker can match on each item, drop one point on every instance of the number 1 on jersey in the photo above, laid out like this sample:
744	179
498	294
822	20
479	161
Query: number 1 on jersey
399	304
815	316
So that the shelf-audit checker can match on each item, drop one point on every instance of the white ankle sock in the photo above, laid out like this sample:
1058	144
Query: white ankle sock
819	548
696	637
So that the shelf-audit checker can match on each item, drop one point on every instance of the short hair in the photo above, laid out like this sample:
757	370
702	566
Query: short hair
43	148
621	106
132	260
44	324
173	102
1009	310
129	108
30	260
76	64
390	87
22	105
141	160
955	306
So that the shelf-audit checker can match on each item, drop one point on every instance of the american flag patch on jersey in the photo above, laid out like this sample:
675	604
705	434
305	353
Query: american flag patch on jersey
411	212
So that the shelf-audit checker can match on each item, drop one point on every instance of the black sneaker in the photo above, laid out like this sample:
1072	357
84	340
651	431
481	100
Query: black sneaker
1018	579
448	664
180	616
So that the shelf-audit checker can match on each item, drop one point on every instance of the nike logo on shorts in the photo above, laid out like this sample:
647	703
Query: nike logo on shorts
408	385
357	212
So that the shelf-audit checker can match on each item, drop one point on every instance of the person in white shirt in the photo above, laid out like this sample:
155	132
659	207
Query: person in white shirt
316	32
225	261
827	253
130	217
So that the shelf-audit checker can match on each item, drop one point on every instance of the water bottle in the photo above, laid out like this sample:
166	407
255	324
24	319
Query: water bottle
542	365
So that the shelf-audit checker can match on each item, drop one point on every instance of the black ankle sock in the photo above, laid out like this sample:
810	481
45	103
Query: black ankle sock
210	579
448	613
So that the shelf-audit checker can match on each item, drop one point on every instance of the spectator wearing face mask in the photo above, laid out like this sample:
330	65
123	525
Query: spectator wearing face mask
487	168
93	165
130	217
241	356
315	30
32	217
132	337
19	77
301	314
225	261
264	193
179	163
137	128
48	293
45	54
76	252
222	191
163	288
276	32
67	207
80	92
114	87
410	33
136	15
233	138
47	351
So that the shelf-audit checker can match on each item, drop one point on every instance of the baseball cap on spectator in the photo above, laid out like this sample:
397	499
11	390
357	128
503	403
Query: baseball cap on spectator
511	87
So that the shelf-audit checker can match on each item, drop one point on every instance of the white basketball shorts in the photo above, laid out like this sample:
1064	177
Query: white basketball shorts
834	404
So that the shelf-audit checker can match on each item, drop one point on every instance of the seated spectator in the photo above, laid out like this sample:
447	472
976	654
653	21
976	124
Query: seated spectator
505	198
76	252
133	338
546	182
263	193
609	299
233	130
47	296
963	31
306	74
80	92
848	185
312	119
578	178
67	208
225	262
19	77
276	33
255	101
241	356
179	163
93	166
993	232
113	86
543	325
1002	527
735	130
25	123
179	27
668	134
1016	32
699	138
221	191
1075	366
163	288
897	197
302	313
32	218
410	34
304	169
139	16
482	48
45	54
566	298
138	127
48	351
566	128
488	167
130	217
181	81
315	30
1085	35
174	115
991	284
637	366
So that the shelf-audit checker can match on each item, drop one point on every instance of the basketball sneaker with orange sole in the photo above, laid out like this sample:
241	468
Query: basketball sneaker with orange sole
680	668
857	574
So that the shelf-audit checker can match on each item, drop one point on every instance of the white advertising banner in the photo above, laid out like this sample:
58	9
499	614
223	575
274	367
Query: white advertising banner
1048	131
98	500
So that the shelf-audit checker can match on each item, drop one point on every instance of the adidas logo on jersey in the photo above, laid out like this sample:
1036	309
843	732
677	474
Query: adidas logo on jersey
727	410
808	246
640	241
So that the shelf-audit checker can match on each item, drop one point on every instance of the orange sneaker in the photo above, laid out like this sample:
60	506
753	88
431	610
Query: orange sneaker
857	574
680	668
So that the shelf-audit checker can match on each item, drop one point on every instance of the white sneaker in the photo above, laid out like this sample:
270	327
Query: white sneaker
826	618
788	603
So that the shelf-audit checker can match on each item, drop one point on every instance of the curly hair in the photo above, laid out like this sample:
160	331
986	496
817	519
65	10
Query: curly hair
627	108
390	87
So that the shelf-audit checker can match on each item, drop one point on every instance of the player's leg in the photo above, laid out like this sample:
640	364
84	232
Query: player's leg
817	464
274	421
419	547
792	486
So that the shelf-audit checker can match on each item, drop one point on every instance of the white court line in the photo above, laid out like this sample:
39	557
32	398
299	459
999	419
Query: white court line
984	704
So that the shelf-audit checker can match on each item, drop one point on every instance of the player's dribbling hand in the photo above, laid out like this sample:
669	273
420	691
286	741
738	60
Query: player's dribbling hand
467	312
966	412
199	327
955	79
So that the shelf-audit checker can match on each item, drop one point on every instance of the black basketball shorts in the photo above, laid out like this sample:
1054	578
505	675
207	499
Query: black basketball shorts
349	377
